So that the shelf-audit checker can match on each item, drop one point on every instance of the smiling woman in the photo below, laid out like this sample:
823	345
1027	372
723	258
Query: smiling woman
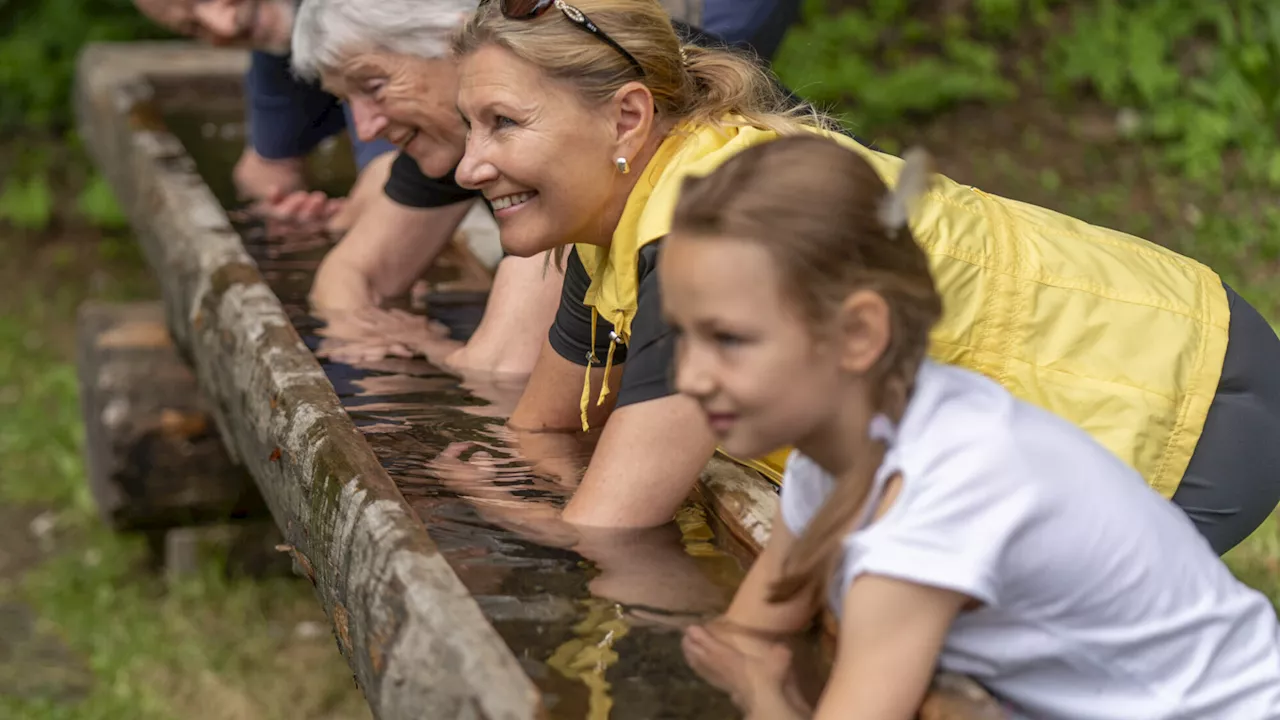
390	60
579	115
585	138
396	74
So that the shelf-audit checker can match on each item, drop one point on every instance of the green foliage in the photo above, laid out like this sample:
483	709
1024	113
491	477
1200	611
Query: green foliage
1205	77
97	203
1202	78
27	202
203	648
884	62
38	48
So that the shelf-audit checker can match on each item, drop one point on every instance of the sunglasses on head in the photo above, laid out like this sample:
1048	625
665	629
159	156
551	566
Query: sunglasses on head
532	9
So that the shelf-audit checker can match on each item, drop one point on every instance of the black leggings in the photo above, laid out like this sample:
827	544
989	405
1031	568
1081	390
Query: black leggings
1233	480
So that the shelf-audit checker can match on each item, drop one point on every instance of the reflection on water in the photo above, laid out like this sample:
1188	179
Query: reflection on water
596	626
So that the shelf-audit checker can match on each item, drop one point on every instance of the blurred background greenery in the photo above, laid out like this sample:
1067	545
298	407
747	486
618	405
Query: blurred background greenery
1157	117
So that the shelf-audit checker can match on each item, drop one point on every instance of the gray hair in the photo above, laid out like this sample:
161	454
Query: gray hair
327	31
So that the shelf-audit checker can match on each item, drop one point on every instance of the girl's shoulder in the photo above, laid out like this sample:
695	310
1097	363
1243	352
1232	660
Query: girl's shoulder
964	433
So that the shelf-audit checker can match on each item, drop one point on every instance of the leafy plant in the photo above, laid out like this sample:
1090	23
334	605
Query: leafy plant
1204	76
883	63
27	203
97	203
38	50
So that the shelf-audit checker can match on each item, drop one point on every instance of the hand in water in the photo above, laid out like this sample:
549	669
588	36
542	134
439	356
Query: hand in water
753	670
289	212
370	334
487	482
645	569
501	391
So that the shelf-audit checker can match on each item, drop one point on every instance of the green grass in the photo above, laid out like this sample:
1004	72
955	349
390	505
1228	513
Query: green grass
1256	561
204	647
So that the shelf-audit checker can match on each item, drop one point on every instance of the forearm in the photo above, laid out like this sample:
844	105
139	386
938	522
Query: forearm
561	455
519	312
340	284
649	457
751	608
364	193
388	248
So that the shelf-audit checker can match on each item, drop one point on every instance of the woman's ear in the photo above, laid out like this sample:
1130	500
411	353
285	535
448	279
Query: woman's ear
634	117
864	326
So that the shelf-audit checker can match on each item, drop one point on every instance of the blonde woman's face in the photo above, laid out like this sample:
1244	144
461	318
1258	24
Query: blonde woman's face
538	152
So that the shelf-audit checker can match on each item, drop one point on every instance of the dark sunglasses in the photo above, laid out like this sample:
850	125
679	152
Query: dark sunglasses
531	9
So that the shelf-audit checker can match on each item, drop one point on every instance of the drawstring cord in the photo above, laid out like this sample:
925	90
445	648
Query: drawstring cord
585	402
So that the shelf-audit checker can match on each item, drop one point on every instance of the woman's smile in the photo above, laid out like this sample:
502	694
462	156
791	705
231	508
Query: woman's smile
505	206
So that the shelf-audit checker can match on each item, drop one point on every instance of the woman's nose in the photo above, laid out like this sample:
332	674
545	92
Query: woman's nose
370	122
474	170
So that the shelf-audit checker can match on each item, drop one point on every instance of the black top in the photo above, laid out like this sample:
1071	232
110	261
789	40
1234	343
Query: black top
407	185
647	358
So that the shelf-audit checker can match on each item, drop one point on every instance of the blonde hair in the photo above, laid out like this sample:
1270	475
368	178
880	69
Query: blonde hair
689	84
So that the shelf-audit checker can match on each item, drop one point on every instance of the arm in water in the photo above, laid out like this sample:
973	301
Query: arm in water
649	455
744	651
288	208
391	247
646	569
386	250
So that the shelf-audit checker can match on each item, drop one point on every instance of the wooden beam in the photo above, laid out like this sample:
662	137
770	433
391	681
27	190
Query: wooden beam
418	644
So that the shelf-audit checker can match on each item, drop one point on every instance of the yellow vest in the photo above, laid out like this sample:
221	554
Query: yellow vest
1116	334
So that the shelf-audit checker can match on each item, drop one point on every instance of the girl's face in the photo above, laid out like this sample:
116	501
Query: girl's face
744	351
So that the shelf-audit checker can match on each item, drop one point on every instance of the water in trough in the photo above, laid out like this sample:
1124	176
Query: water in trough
599	636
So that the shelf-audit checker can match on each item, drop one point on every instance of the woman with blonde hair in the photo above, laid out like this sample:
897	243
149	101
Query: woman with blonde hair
583	121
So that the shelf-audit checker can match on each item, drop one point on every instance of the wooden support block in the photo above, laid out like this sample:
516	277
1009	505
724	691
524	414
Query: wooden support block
154	458
246	549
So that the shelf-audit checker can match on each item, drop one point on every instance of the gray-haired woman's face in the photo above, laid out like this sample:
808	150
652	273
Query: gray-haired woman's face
407	100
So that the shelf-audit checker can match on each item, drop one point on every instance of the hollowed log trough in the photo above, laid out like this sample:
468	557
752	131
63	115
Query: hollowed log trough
417	642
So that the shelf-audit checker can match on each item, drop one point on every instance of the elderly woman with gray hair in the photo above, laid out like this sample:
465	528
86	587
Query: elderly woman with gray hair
390	60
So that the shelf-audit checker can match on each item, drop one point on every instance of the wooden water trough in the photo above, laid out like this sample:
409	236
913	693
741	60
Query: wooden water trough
209	405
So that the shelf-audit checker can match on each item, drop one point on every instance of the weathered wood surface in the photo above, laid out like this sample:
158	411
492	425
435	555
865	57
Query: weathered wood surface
417	643
153	455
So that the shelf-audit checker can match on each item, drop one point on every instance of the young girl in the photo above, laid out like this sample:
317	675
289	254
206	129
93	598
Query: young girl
947	524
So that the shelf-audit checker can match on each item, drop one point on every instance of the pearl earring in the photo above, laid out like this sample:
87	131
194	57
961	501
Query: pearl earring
623	165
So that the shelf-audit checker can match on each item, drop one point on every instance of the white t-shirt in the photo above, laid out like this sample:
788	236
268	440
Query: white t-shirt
1100	598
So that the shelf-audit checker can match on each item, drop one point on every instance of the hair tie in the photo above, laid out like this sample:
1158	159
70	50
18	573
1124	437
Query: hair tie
684	56
881	428
913	181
